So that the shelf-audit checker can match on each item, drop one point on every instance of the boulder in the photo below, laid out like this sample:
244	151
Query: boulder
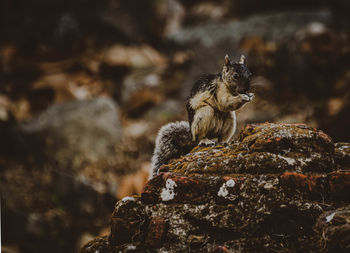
74	133
277	189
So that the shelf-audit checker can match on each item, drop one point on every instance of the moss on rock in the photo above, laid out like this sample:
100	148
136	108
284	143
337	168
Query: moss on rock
271	191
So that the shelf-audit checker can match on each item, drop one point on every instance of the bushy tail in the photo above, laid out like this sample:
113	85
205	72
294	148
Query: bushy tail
173	140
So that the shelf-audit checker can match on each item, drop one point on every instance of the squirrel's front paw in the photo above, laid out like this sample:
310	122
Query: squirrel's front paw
207	143
247	97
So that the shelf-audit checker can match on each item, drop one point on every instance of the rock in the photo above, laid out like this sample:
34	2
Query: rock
333	228
212	33
141	91
64	87
270	191
264	148
157	230
61	175
97	245
140	56
243	7
73	133
124	227
333	186
342	154
49	204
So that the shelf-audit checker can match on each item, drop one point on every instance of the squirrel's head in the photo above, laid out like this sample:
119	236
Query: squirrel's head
236	75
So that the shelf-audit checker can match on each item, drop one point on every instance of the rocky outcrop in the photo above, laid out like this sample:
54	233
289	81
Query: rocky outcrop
279	188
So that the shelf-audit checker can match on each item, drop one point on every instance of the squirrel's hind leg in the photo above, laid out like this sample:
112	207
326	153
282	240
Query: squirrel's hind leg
229	128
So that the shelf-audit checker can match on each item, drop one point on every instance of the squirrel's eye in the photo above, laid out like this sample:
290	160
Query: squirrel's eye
235	76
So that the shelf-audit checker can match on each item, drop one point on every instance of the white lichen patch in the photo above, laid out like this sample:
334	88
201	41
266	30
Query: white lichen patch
343	147
125	199
168	192
268	186
286	151
330	217
230	183
130	247
289	160
304	161
224	189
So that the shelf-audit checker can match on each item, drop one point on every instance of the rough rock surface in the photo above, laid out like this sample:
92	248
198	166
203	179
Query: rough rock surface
279	188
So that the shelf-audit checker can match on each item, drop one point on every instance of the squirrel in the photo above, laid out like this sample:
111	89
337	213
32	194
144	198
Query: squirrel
211	113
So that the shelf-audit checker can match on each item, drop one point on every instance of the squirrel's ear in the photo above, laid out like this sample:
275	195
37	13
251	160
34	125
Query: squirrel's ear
227	60
242	60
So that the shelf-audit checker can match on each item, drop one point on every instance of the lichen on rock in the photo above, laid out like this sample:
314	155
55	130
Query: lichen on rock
263	148
279	188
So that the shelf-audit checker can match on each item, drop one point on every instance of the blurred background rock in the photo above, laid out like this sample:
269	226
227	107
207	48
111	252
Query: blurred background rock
85	86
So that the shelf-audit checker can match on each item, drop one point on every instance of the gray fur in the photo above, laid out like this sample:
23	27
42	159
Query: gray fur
173	140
